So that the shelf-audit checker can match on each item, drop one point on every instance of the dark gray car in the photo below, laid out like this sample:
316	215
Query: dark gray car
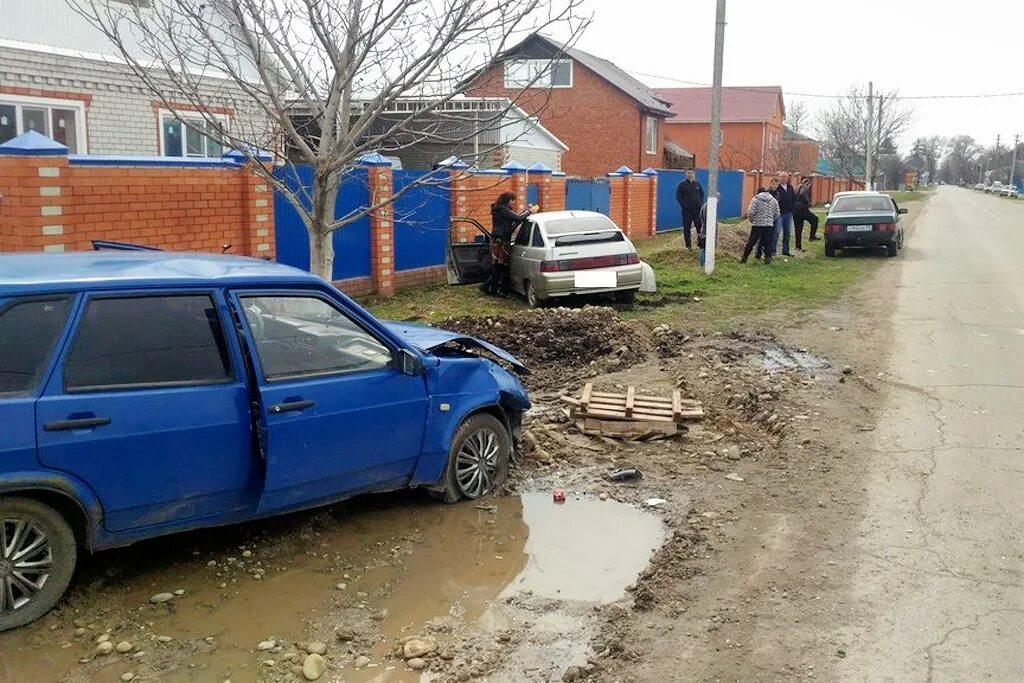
863	219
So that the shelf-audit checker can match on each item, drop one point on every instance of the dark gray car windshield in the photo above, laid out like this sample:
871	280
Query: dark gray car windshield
562	226
866	204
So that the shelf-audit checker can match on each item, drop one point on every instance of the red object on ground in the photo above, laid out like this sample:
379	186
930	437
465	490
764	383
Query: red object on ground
558	496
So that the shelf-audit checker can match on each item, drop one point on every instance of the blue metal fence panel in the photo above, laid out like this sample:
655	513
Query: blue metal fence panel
532	194
421	220
588	195
730	189
351	243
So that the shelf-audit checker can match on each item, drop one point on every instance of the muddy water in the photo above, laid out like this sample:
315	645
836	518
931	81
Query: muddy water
779	359
403	562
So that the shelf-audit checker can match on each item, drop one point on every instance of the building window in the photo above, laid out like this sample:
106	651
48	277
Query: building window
60	120
538	73
190	135
651	135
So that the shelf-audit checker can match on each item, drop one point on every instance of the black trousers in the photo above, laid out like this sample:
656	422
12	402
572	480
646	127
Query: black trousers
799	216
761	237
691	219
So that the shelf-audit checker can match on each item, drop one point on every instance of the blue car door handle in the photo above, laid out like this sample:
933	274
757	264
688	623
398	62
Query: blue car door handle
80	423
291	406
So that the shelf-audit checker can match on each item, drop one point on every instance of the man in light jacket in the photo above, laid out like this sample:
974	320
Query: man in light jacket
763	213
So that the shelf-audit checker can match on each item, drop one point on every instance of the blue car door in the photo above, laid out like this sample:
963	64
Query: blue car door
150	410
30	328
340	416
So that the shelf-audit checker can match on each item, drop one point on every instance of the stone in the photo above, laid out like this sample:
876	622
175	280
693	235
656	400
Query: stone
105	648
346	635
733	477
314	667
733	452
103	638
179	592
128	677
79	632
417	647
316	648
417	664
341	586
161	598
124	647
246	553
164	639
266	645
847	370
362	661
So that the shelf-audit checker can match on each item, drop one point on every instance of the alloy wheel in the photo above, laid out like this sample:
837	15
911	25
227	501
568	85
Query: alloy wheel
26	561
476	464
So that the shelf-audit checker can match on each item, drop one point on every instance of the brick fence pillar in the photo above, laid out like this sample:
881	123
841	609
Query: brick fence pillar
257	203
617	199
520	180
34	194
652	192
556	193
382	225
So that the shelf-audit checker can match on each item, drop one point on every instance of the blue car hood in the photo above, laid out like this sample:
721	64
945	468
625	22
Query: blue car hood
428	338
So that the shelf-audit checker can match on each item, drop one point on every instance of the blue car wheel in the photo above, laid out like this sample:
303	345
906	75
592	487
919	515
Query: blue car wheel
479	459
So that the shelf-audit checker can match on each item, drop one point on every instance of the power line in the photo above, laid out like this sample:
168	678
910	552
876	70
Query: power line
760	91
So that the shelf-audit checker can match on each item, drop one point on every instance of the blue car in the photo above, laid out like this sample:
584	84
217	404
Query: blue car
146	393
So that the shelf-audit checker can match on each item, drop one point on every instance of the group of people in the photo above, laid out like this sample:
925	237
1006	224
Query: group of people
773	212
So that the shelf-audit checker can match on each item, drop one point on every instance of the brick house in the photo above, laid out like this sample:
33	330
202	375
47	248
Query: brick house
799	152
61	77
752	130
606	117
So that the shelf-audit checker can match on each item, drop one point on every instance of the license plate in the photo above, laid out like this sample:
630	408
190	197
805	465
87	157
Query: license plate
595	279
859	228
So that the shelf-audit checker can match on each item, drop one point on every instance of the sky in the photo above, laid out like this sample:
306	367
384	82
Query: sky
823	47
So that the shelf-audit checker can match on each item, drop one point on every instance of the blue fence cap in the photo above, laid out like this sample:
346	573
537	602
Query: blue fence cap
624	170
558	174
32	143
649	171
373	159
514	167
240	155
493	171
540	167
453	162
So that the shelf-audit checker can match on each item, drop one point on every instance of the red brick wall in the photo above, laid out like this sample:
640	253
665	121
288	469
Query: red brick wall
741	143
602	126
49	203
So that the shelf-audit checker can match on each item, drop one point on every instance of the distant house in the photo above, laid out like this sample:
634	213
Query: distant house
606	117
61	77
752	131
799	152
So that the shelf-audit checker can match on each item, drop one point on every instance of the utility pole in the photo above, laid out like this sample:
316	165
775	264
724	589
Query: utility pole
710	229
878	139
870	137
1013	164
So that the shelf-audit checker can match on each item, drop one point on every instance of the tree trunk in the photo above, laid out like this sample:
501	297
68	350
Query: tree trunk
321	237
321	254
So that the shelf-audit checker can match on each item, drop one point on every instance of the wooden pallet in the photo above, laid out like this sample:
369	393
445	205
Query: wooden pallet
631	415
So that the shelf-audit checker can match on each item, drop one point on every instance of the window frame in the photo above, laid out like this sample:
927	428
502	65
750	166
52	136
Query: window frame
252	348
79	321
651	145
41	377
537	82
50	103
525	228
165	116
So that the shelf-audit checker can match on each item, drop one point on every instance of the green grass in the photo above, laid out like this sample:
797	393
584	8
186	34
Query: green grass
901	196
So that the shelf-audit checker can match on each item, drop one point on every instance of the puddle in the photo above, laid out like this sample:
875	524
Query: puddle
408	562
779	359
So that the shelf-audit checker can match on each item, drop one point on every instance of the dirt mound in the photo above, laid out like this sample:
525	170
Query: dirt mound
560	345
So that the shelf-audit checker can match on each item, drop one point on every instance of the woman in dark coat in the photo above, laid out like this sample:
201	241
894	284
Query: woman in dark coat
504	222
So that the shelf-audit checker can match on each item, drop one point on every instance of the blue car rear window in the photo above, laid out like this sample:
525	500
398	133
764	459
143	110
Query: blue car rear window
28	331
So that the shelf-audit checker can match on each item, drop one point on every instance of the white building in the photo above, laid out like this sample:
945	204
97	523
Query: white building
61	77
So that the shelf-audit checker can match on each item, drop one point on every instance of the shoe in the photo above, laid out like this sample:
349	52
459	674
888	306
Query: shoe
689	248
800	249
743	260
815	239
768	260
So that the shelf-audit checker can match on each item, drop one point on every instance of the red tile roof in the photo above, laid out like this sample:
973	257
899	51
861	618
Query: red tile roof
739	104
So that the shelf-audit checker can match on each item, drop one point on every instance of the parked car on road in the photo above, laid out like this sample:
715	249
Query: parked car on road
555	254
863	219
145	393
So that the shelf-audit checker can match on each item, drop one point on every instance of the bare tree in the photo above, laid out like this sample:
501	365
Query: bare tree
323	78
797	115
842	128
926	153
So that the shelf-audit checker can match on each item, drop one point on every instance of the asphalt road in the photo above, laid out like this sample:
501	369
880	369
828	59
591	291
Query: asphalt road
938	584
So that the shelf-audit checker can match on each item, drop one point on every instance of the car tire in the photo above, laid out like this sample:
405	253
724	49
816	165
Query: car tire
46	536
532	299
625	296
892	249
830	249
481	444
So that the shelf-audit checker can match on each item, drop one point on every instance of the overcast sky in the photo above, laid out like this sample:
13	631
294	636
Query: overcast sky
825	46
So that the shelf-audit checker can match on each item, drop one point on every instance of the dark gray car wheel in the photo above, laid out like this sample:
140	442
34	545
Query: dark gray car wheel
891	249
478	460
532	300
37	558
830	249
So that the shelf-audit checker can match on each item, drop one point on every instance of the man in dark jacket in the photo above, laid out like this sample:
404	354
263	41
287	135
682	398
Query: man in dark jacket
803	212
690	196
786	196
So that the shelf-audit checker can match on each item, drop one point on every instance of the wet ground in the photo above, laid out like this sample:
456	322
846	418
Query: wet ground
358	578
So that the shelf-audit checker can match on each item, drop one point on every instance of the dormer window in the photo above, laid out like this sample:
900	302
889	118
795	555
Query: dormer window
538	73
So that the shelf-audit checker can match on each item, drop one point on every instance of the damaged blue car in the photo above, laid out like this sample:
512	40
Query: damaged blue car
146	393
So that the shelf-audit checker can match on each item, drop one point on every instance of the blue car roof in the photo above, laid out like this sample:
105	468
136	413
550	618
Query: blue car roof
35	273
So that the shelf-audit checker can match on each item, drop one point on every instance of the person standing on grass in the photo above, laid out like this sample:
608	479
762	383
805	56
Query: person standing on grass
768	246
786	196
690	196
803	212
702	232
763	213
504	222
